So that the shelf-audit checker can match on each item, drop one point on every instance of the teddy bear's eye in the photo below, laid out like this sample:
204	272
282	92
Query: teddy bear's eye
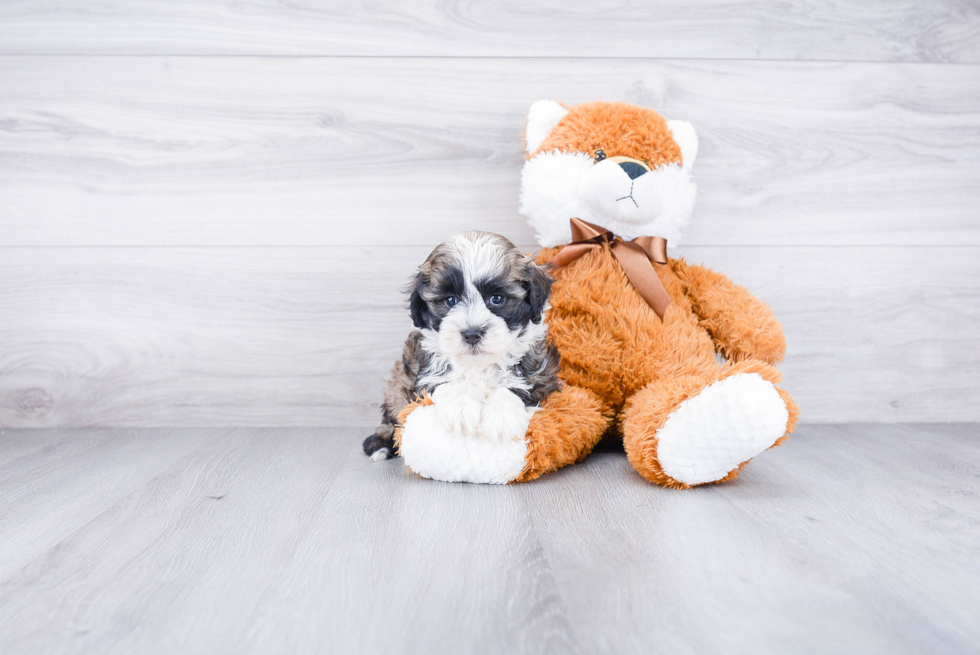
599	156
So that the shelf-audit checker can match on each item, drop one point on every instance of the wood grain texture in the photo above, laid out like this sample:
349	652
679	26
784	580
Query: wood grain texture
209	522
84	474
883	30
298	151
833	527
848	539
304	336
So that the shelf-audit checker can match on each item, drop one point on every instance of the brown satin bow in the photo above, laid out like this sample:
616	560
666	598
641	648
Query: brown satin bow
634	256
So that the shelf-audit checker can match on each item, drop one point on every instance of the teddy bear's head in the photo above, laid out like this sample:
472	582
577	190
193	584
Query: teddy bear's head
620	166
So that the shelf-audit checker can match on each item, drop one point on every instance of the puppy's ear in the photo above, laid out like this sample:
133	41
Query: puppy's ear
421	316
537	283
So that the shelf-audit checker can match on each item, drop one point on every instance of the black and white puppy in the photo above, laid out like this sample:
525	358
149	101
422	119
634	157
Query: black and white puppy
481	349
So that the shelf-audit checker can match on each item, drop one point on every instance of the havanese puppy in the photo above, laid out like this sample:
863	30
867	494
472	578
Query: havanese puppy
481	349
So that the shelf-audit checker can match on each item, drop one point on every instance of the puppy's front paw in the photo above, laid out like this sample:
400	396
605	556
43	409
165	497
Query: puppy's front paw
458	407
504	416
377	447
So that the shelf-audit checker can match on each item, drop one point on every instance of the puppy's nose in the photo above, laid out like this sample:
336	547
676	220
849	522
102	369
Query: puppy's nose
472	336
632	169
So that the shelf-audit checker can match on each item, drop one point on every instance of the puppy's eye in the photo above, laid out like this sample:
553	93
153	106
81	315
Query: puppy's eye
450	301
599	156
496	300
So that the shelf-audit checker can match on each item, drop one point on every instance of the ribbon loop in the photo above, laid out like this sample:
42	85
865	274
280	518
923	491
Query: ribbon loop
634	256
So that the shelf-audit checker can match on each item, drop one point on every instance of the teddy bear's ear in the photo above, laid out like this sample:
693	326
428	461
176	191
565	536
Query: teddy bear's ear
541	119
687	139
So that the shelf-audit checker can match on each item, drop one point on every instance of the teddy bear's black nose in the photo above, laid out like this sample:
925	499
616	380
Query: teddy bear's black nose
632	169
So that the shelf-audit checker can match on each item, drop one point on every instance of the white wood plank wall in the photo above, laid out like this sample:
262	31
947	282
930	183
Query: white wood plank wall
207	208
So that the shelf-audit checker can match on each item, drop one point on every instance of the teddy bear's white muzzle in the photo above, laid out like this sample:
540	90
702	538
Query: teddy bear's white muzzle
608	190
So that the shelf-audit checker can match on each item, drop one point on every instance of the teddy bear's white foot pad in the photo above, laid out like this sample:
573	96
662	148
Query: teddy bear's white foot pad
432	451
729	422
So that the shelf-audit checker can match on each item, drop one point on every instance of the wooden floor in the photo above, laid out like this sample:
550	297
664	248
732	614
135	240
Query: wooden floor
848	539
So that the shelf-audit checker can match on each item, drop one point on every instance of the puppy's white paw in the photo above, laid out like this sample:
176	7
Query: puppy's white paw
504	416
381	454
458	407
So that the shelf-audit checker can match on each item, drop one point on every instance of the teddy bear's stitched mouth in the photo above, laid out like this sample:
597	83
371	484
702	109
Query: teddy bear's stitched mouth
630	196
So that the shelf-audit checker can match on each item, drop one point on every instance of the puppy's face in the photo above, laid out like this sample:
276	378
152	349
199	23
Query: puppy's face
478	293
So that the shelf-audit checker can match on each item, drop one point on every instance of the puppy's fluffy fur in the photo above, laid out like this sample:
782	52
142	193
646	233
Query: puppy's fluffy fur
477	303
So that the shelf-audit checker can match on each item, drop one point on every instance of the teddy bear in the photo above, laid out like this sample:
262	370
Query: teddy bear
606	187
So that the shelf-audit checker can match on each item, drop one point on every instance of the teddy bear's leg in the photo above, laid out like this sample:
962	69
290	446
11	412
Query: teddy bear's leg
690	430
433	450
566	429
563	431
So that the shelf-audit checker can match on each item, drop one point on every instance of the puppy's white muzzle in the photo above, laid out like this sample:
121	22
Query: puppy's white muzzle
471	314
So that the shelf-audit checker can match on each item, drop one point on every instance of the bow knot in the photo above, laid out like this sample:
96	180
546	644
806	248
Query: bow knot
634	256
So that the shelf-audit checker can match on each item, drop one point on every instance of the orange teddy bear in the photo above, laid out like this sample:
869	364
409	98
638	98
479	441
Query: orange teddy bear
606	186
637	329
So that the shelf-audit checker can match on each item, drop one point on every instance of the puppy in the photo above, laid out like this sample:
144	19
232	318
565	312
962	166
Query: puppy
481	349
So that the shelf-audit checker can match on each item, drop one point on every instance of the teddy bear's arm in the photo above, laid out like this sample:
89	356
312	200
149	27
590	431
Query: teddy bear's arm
422	400
569	424
741	325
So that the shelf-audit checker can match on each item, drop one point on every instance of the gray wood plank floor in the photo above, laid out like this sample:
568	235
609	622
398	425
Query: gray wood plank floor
851	538
291	337
879	30
157	214
207	208
287	151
